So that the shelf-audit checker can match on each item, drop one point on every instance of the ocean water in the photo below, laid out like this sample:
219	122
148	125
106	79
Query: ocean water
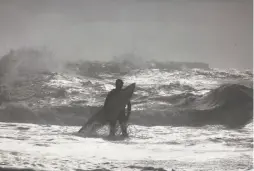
54	147
182	119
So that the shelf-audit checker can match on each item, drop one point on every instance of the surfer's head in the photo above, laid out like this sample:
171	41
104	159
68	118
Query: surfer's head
119	84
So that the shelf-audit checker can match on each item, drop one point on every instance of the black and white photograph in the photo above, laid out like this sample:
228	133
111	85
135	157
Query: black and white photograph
126	85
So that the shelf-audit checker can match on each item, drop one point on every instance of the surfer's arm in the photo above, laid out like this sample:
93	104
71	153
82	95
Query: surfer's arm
128	108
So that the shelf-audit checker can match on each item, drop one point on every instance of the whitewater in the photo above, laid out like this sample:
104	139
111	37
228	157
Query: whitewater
182	118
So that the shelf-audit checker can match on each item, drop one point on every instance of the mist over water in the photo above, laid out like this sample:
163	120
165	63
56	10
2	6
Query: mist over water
186	93
216	33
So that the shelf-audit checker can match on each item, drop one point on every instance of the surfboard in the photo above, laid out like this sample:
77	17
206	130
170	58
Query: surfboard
113	108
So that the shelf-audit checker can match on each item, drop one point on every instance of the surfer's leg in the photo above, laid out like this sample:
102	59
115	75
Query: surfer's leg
112	125
123	126
123	123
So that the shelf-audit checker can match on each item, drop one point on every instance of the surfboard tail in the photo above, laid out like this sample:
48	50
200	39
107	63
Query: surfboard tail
97	119
83	128
88	123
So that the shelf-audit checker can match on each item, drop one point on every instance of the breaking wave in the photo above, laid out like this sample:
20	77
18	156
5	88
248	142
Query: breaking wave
177	94
230	105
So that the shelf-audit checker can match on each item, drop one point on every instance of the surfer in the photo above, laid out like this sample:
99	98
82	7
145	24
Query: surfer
104	115
123	116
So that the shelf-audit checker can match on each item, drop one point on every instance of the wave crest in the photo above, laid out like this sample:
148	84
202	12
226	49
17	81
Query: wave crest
162	96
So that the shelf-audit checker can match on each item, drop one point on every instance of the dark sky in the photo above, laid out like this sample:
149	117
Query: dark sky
218	32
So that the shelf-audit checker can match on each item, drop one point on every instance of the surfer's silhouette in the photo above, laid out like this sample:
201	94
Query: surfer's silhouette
102	117
123	116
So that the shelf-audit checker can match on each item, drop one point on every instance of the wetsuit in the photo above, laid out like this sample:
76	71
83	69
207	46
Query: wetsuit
123	117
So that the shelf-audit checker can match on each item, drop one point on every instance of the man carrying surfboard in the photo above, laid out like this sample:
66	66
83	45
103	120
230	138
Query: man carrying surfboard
113	110
123	116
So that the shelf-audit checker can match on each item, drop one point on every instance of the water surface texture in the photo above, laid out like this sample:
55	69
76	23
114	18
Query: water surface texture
183	118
